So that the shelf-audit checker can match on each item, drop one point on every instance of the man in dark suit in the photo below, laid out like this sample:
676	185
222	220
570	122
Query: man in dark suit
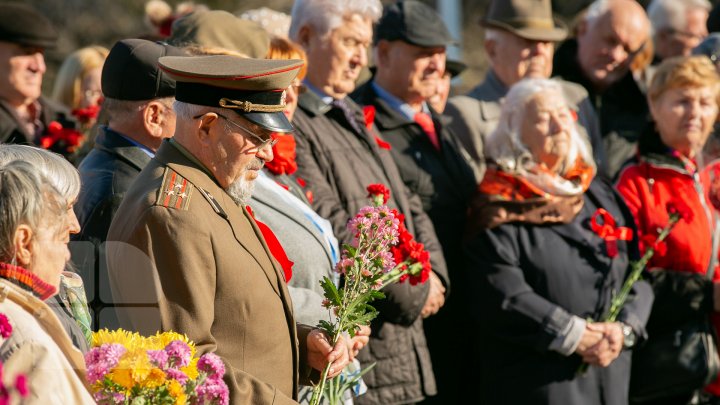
139	105
339	157
410	42
24	113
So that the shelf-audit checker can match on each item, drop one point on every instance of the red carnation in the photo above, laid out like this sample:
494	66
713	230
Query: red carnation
648	241
681	209
379	190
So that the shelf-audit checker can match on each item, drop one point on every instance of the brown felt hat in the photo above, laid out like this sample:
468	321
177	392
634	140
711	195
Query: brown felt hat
220	29
529	19
253	88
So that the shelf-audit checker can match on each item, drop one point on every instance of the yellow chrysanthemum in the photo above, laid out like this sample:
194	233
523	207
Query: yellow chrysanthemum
137	362
191	369
160	340
130	340
155	378
122	376
177	391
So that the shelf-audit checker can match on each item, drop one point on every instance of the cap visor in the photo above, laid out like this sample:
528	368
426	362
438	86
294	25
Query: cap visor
273	121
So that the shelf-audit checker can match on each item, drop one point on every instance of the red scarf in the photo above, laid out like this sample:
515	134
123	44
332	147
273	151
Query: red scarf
274	245
27	280
283	155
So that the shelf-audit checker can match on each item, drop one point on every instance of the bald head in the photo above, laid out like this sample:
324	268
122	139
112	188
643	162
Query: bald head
611	34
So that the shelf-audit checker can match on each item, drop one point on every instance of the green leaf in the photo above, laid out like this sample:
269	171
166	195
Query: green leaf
331	292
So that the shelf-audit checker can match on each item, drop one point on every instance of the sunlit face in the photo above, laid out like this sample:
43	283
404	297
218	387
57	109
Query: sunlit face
684	117
438	101
415	70
291	98
90	88
50	251
545	129
336	59
608	44
21	72
235	155
514	58
671	42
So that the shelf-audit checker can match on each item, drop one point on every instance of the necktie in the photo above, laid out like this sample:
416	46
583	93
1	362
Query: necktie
426	123
349	114
275	247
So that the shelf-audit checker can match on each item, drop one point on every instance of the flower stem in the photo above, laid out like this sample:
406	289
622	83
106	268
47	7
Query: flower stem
318	390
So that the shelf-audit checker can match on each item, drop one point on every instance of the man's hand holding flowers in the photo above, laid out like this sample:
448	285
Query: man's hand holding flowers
320	353
436	297
601	343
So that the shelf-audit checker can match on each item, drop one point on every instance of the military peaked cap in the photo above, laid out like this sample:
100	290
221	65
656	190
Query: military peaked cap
253	88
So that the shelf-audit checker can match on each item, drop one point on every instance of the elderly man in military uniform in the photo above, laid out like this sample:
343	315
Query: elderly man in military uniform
185	250
519	37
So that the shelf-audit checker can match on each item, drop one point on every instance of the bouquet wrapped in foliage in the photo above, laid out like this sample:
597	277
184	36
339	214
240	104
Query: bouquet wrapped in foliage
126	368
382	252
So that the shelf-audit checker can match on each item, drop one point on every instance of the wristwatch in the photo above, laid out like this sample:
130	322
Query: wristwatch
629	336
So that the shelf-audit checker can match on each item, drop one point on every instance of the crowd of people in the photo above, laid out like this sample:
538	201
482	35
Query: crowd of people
200	179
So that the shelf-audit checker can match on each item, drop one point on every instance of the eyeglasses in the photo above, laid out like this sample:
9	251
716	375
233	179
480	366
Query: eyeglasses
259	142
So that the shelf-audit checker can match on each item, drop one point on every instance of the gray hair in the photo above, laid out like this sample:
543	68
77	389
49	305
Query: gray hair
26	197
596	10
326	15
126	110
186	111
672	14
59	173
504	145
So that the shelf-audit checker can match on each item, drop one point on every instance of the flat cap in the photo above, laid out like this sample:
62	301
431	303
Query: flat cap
220	29
22	24
131	71
413	22
253	88
709	47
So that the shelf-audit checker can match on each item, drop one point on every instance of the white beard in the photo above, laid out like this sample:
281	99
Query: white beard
241	190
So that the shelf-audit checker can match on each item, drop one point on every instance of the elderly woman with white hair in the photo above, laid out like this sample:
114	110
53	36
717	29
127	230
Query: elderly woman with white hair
70	303
34	233
541	248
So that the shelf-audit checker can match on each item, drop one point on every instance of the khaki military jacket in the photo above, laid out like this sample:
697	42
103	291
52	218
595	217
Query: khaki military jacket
475	115
182	256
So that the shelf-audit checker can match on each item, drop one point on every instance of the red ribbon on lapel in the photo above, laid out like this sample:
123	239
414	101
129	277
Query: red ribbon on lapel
608	231
275	247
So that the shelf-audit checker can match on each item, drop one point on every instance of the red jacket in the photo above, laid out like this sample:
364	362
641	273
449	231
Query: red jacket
648	186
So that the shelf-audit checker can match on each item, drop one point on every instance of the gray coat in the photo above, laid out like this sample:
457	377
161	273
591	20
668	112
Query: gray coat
304	245
338	164
475	115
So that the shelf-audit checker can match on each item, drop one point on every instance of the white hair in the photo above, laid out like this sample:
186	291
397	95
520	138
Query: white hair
26	197
672	14
326	15
60	173
186	111
504	146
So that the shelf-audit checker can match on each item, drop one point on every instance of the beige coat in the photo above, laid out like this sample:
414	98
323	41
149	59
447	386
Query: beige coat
188	259
40	348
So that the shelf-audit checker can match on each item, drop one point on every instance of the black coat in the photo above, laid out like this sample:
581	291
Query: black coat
12	132
531	279
106	174
622	108
445	183
338	164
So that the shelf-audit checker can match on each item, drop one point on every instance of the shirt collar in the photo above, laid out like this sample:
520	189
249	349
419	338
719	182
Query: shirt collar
397	104
324	97
142	147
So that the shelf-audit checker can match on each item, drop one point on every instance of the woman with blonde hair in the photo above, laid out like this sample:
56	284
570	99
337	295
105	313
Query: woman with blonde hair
77	84
683	100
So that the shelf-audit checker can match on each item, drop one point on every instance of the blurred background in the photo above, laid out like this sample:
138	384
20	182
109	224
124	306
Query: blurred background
103	22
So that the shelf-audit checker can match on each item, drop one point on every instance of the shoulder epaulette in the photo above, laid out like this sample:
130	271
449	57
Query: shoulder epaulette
175	191
213	203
